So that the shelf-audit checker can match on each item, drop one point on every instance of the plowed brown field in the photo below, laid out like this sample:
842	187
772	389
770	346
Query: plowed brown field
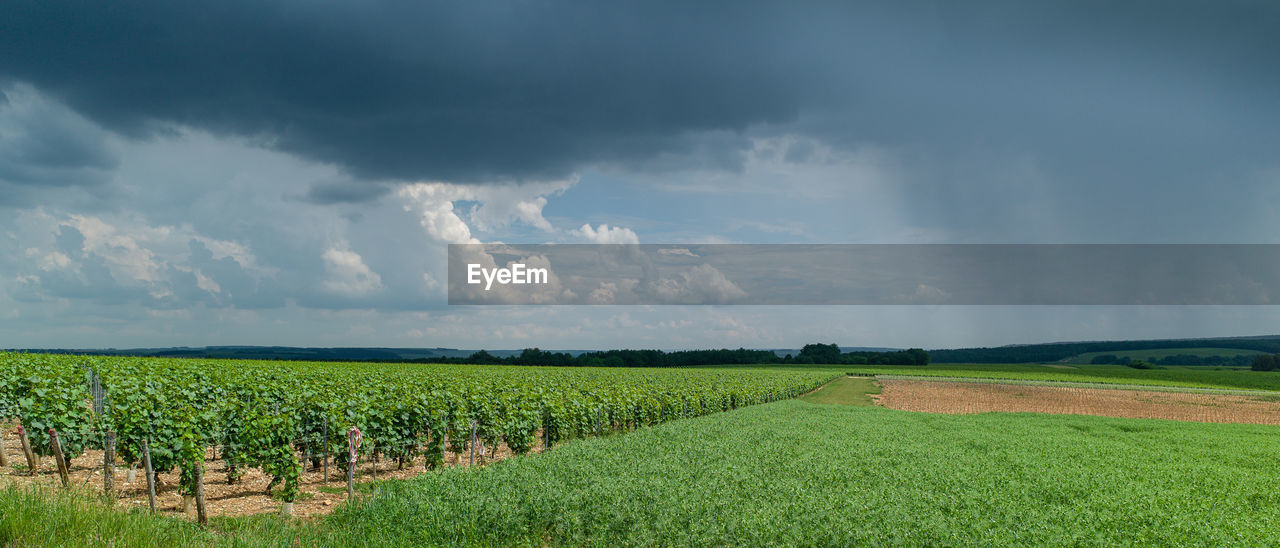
965	397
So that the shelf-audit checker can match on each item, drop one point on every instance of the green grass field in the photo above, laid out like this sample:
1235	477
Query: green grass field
844	391
1187	377
1176	376
1157	353
790	473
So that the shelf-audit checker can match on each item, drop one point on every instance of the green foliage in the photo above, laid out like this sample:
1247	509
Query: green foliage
1053	352
1266	362
264	414
798	474
845	391
830	354
785	474
1190	377
819	353
810	354
1230	357
37	516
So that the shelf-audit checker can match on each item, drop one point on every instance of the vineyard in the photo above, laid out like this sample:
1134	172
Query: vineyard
278	417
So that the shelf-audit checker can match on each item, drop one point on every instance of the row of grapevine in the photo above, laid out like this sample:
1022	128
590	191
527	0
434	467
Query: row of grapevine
265	414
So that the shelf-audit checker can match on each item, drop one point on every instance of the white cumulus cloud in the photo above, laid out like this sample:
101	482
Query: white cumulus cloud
347	273
496	206
605	234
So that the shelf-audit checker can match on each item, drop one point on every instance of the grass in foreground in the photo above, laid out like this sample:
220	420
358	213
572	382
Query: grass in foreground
39	516
845	391
796	473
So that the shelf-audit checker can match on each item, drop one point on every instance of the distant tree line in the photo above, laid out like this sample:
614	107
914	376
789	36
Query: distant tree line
1142	364
1052	352
619	358
810	354
830	353
1266	362
1240	360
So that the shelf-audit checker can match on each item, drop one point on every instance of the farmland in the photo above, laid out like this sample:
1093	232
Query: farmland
1157	353
1185	377
259	423
984	397
796	473
740	455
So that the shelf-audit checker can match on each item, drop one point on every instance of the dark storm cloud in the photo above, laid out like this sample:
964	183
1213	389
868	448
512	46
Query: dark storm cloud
406	90
476	91
43	144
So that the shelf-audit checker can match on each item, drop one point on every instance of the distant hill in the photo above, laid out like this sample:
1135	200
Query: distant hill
1020	353
1054	352
352	354
1173	356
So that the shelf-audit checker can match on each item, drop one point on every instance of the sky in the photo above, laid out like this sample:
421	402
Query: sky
290	173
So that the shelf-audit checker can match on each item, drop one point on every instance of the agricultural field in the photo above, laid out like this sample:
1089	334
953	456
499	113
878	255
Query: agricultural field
1173	376
248	437
797	473
985	397
742	455
845	391
1157	353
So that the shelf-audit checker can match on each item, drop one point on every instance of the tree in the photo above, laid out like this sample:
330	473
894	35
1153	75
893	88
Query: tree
1266	362
918	356
1140	364
482	357
820	353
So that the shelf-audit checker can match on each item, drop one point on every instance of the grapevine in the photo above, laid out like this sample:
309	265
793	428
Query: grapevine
274	416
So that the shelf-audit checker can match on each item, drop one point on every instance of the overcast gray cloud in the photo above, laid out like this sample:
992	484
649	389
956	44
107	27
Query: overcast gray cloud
219	173
475	91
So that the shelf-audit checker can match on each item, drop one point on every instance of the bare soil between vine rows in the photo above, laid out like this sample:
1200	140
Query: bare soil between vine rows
965	397
246	497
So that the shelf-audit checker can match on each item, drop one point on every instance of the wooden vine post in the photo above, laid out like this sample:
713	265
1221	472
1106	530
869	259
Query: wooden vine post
109	466
151	474
202	517
57	456
546	433
326	450
473	443
353	445
4	459
32	466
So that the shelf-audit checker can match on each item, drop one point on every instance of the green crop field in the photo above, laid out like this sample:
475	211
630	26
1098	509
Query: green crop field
1186	377
796	473
273	416
1173	376
740	455
1157	353
845	391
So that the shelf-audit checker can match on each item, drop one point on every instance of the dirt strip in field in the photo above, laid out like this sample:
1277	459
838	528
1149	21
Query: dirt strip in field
967	397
